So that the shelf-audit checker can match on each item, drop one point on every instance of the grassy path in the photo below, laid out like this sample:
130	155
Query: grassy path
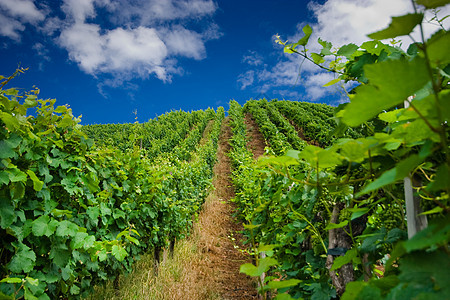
206	265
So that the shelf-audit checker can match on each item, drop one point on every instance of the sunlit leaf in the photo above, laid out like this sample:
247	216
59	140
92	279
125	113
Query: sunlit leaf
335	226
334	81
307	30
399	26
391	82
347	50
283	283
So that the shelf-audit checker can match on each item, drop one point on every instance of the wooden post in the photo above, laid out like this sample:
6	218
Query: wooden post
415	221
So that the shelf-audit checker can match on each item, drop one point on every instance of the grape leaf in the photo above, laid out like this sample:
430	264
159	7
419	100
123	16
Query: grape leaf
391	82
433	3
78	240
15	175
347	50
436	48
119	252
7	215
283	283
40	225
37	184
399	26
23	260
307	30
264	265
67	228
400	171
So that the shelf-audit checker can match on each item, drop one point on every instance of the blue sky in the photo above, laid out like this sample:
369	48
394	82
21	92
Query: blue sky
108	58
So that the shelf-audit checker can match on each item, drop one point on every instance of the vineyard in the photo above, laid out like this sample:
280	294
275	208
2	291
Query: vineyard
326	209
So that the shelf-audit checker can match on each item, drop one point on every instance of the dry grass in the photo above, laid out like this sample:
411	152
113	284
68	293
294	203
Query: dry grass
176	278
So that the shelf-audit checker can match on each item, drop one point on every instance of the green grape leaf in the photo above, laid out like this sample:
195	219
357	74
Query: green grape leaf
93	212
60	256
354	151
23	260
307	30
74	290
6	151
78	240
425	275
66	121
334	81
264	265
40	225
11	280
347	50
132	239
334	226
67	228
89	242
400	171
433	3
391	82
435	234
284	296
119	252
4	177
10	121
283	283
323	158
437	48
317	58
326	50
37	184
349	256
15	175
399	26
32	281
7	215
60	109
28	295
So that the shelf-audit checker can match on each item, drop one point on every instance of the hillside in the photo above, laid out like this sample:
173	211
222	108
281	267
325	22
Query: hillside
275	198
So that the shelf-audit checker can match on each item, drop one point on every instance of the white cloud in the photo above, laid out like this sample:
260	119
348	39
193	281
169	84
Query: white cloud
23	9
123	39
253	58
246	79
119	51
150	12
14	14
184	42
79	10
339	22
10	27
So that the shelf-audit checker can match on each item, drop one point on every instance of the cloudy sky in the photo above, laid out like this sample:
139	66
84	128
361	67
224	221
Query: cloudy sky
108	58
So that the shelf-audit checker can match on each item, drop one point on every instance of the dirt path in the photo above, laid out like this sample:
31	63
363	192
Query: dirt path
256	142
218	234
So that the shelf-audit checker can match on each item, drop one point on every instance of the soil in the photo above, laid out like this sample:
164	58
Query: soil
256	142
219	234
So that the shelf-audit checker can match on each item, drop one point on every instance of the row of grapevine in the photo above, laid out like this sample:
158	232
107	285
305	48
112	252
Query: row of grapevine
344	221
73	215
277	140
279	213
159	135
283	125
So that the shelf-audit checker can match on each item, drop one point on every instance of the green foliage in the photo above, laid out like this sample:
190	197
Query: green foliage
73	215
341	210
